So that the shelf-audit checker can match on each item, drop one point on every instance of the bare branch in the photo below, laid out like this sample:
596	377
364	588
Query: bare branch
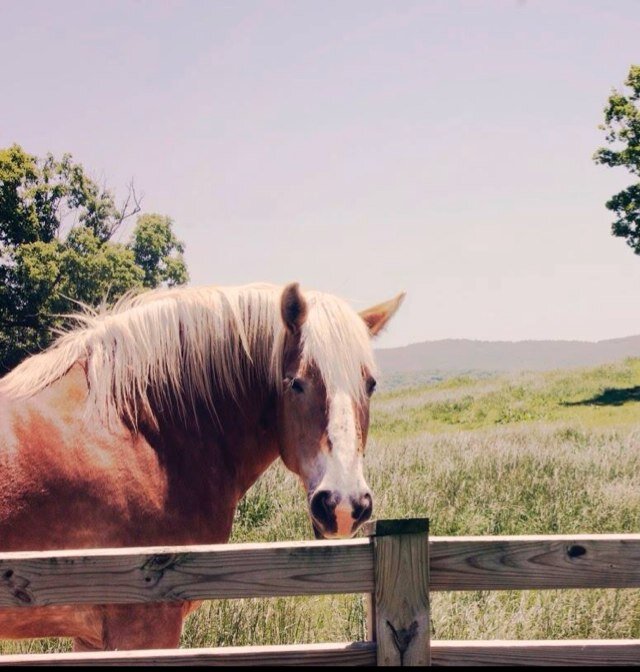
131	206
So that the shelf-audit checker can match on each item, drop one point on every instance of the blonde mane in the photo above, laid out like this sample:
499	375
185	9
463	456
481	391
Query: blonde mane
189	344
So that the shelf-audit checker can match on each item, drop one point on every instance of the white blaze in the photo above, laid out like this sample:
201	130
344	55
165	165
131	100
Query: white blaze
343	474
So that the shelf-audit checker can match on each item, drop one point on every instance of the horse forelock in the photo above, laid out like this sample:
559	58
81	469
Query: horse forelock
188	346
337	341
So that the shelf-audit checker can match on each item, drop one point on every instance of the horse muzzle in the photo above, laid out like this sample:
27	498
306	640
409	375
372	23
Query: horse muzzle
337	517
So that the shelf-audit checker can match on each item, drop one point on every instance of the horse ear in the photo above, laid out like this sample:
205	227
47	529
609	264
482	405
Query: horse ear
376	317
293	307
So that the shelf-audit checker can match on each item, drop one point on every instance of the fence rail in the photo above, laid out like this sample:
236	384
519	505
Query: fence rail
542	562
133	575
396	566
443	653
356	653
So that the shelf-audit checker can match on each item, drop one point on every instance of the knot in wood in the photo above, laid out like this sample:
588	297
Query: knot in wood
402	637
160	562
22	595
575	551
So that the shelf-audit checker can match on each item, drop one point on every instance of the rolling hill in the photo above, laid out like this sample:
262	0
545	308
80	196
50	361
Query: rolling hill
454	356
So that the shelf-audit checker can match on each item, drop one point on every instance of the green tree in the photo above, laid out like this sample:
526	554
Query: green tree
622	124
158	252
56	248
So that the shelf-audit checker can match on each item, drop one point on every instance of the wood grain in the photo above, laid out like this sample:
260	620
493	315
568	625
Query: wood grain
537	653
382	528
401	613
358	653
186	573
541	562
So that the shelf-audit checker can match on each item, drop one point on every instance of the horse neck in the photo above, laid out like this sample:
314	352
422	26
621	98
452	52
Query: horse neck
232	446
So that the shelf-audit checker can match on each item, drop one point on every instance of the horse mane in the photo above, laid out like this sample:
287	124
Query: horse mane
187	345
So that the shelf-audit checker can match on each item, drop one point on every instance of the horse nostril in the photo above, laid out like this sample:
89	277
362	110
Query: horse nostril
363	508
322	506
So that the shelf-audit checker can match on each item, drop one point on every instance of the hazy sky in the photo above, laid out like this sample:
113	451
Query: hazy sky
357	146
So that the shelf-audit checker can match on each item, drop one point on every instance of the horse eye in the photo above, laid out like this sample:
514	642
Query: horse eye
371	386
296	386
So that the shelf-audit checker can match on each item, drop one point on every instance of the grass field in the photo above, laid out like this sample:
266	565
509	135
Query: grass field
526	454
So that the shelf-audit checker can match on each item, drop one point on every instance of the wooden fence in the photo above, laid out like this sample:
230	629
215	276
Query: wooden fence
396	565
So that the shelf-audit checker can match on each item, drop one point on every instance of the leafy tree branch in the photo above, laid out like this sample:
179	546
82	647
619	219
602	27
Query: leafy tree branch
56	248
622	126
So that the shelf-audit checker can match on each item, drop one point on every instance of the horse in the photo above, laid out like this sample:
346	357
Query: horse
145	424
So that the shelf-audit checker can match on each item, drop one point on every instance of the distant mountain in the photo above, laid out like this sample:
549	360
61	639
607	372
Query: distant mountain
452	356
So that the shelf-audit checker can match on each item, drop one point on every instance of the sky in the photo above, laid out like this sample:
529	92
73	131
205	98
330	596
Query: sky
361	147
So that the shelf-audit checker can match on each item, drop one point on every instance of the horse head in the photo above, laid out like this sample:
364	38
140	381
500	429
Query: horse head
323	411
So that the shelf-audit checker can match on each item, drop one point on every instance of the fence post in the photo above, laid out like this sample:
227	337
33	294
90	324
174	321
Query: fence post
398	618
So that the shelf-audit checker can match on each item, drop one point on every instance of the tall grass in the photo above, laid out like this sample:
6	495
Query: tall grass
524	454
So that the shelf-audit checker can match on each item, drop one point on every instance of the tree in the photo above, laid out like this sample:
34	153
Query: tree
56	249
153	248
622	124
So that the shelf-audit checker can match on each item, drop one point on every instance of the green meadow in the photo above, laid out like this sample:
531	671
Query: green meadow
544	453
